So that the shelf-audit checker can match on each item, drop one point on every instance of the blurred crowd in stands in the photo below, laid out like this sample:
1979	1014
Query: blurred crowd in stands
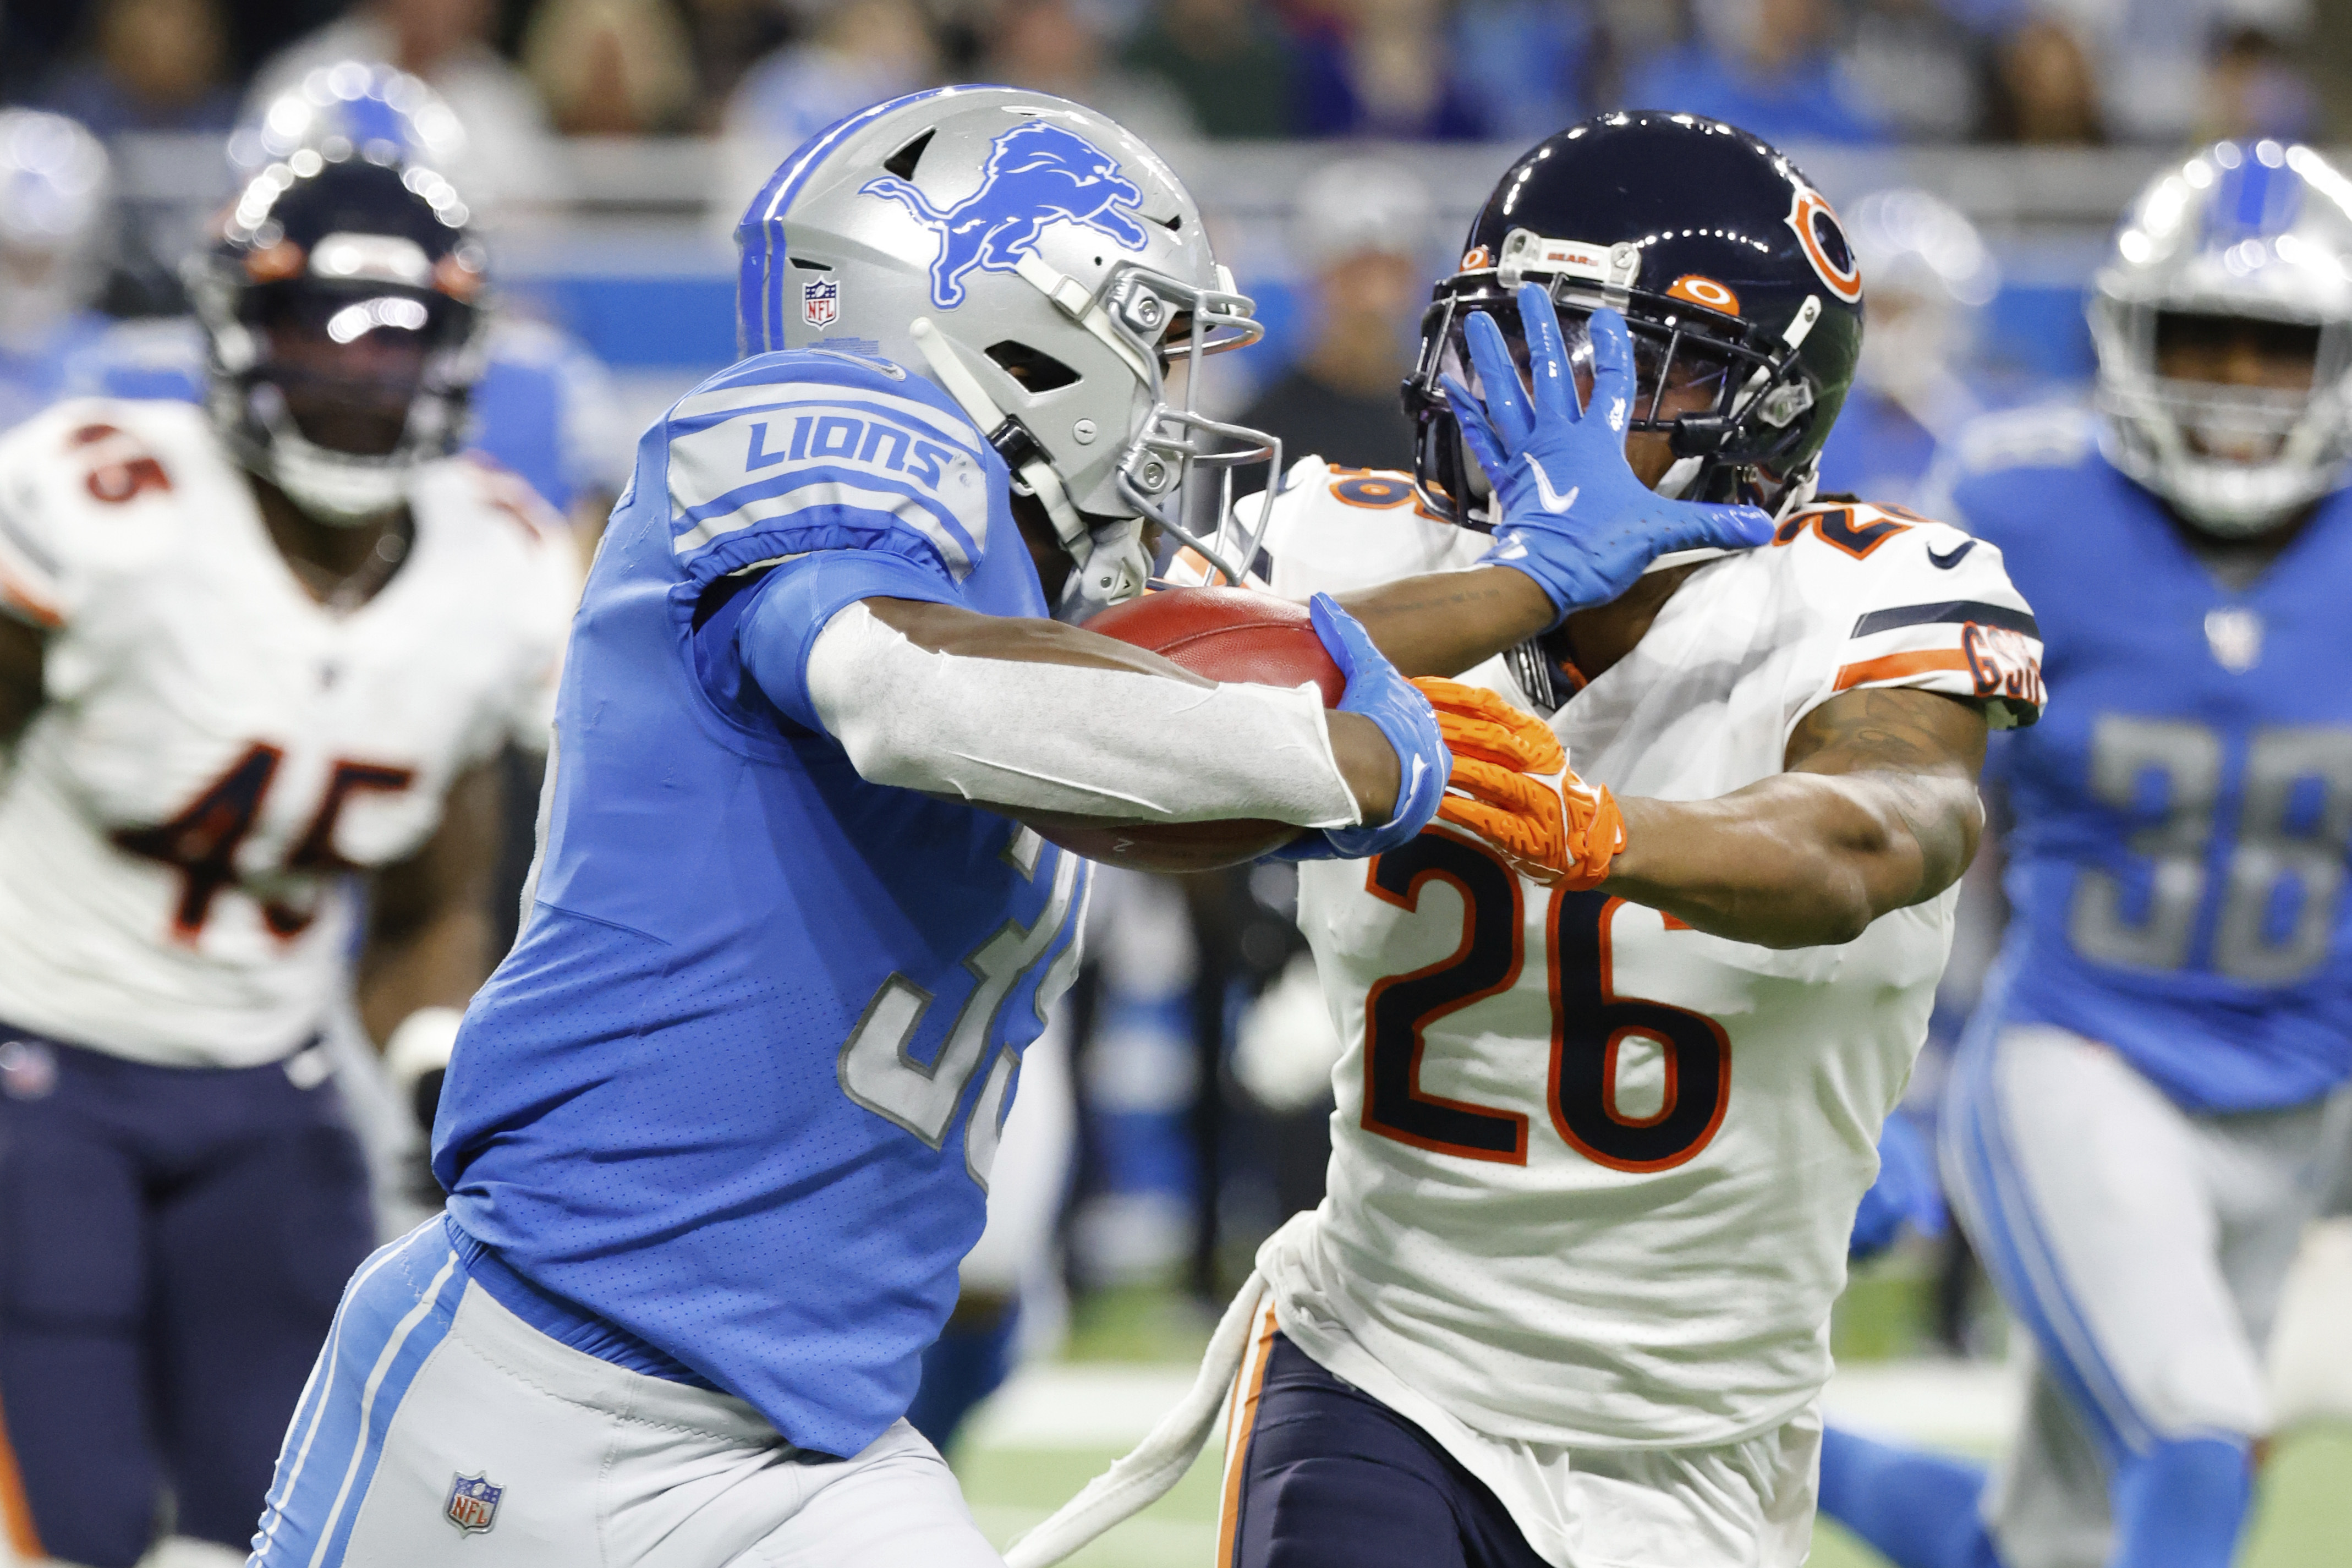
517	71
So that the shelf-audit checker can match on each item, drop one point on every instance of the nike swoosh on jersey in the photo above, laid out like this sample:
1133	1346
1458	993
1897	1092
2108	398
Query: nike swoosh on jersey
1948	562
1552	499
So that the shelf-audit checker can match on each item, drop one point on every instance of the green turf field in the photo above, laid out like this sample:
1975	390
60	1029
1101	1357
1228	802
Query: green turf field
2305	1519
2302	1519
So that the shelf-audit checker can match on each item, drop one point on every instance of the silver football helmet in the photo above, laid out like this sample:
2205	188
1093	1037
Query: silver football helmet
54	184
2261	231
1052	275
1930	273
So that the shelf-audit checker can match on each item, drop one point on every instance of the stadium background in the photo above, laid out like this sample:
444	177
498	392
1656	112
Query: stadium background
623	135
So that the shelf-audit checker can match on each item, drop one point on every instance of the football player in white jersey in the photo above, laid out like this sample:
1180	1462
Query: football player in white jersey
1609	1101
254	659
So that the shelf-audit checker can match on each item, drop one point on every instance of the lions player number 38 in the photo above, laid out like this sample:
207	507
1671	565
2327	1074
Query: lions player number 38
2282	865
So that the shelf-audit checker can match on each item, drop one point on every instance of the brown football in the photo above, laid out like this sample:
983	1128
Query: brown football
1225	634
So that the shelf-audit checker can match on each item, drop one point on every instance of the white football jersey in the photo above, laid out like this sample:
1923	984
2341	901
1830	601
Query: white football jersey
218	751
1592	1170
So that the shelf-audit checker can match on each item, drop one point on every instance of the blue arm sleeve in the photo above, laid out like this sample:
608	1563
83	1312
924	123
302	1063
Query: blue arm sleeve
781	617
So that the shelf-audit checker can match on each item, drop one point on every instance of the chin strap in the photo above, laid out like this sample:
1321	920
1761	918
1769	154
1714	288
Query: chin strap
1111	562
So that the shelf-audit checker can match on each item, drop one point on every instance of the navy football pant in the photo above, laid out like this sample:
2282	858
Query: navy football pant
173	1243
1327	1477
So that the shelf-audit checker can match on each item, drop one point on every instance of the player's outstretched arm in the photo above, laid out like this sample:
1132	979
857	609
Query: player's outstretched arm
20	679
428	939
1026	714
1443	623
1577	527
1877	810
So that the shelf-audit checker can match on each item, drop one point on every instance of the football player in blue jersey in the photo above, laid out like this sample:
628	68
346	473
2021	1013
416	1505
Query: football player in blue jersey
2140	1119
717	1134
53	195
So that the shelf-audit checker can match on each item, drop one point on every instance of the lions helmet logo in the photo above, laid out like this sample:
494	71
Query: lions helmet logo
1037	174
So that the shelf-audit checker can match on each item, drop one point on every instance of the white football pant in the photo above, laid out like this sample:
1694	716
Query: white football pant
438	1427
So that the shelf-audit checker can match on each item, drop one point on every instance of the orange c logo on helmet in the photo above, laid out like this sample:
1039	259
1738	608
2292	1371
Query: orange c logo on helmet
1475	259
1705	291
1822	238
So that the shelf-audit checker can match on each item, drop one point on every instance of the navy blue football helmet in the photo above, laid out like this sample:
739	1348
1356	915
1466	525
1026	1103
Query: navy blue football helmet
344	282
1731	269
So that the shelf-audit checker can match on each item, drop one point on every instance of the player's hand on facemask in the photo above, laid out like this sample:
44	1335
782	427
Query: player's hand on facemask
1570	512
1512	787
1378	692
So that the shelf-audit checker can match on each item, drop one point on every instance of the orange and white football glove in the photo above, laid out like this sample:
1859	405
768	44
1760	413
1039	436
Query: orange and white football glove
1512	787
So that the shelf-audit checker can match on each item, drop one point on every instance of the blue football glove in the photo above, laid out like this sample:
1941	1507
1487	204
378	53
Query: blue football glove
1906	1191
1573	515
1377	692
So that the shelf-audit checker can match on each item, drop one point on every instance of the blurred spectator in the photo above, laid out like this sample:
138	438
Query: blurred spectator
512	162
862	52
2331	60
1381	68
156	65
1058	47
1528	61
1920	65
726	39
1764	66
2153	61
53	211
1361	226
610	68
2257	86
1929	275
1228	60
2043	90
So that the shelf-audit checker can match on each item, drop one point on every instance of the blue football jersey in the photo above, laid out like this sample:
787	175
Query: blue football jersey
737	1088
33	375
2183	808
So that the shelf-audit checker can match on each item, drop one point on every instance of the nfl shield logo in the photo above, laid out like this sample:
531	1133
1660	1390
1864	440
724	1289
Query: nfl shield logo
473	1504
821	301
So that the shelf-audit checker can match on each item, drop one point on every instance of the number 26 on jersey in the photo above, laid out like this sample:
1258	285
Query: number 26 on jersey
1603	1044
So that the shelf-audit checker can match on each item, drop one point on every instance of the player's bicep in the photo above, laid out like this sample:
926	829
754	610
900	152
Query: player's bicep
1900	730
1911	758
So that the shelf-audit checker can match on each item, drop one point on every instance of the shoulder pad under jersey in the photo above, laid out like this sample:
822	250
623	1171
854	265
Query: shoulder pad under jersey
1920	604
817	448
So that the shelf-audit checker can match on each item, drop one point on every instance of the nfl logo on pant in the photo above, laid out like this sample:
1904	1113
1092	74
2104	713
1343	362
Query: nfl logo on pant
821	301
473	1504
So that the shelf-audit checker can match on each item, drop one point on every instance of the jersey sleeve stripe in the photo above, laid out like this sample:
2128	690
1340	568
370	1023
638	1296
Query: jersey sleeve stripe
1895	666
812	501
1955	611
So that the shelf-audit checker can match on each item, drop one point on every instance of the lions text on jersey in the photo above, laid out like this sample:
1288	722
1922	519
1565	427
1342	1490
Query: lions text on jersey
2178	868
736	1091
217	750
1593	1172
